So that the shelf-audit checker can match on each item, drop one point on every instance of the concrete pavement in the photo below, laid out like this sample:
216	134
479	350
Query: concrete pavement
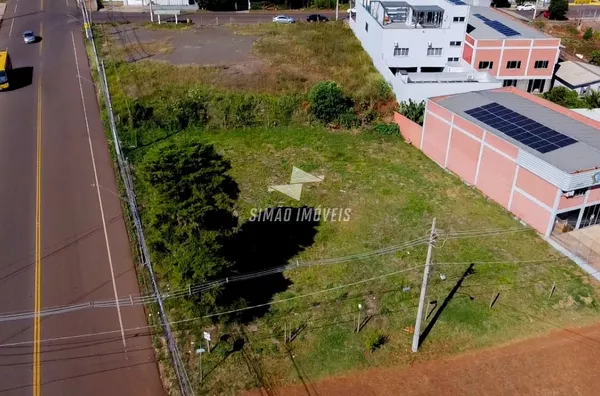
63	238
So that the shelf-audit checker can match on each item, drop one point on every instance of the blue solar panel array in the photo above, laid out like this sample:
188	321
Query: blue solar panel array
457	2
498	26
525	130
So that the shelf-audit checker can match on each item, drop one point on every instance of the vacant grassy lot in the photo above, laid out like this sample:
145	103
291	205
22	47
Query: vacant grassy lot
571	37
392	192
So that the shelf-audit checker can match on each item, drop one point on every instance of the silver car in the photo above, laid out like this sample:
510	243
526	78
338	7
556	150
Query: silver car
283	19
28	37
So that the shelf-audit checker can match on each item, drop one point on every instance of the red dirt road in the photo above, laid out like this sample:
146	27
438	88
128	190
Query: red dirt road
565	362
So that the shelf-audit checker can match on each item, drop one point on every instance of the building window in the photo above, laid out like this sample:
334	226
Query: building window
541	65
453	59
485	65
458	19
509	83
400	51
455	43
434	51
513	64
366	26
579	192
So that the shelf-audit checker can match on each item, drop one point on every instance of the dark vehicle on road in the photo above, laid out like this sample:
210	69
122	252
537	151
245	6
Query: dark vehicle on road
317	18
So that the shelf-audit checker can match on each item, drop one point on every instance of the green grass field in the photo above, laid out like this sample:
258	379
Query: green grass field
393	192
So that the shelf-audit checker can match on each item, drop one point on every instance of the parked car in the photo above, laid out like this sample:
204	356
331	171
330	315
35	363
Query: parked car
351	10
317	18
525	7
28	37
283	19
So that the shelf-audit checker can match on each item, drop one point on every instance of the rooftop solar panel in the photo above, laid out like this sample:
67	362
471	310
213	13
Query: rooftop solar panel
502	28
523	129
485	19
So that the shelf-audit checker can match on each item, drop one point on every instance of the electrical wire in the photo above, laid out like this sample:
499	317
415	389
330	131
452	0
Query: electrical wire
110	332
203	287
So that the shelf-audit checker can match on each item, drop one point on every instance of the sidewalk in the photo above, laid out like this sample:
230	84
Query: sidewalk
2	8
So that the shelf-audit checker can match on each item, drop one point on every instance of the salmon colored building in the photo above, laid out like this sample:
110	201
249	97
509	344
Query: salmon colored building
537	159
509	50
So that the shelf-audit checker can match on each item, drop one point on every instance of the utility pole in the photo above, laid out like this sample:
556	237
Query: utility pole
534	9
151	12
337	9
417	333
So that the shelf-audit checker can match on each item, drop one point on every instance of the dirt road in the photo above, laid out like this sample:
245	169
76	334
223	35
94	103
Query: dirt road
565	362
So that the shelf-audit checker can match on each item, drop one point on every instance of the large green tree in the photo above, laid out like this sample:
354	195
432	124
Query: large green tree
558	9
564	97
189	211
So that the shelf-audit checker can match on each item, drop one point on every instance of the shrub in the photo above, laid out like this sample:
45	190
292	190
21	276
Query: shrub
385	129
589	33
375	340
328	102
595	58
564	97
592	99
414	111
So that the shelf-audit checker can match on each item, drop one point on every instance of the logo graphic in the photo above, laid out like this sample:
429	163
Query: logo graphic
298	179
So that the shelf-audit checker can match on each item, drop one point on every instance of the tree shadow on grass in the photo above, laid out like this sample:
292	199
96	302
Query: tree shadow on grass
267	241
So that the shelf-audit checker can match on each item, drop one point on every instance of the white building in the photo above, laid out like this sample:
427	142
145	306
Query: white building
417	46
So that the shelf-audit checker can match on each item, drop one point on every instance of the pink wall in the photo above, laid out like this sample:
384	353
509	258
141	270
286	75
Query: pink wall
517	43
536	187
468	127
488	55
530	212
489	43
542	55
469	39
594	194
496	174
502	145
546	42
463	156
436	139
467	53
513	55
566	203
411	131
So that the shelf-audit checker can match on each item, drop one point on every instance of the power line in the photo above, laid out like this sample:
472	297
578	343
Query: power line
15	344
196	289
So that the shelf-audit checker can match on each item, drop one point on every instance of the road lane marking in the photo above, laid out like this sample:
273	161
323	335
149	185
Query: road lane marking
38	249
12	21
87	127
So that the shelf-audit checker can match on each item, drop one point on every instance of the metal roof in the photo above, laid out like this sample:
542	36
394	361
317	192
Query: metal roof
482	31
427	8
583	155
578	74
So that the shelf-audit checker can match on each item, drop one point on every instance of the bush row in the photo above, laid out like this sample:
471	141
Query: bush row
213	108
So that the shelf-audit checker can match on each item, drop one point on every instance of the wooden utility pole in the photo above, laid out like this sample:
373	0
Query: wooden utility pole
417	333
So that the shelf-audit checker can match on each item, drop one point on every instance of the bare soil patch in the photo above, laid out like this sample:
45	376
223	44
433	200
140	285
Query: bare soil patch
561	363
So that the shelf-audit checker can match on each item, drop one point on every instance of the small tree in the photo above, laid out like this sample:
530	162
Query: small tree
589	33
328	103
564	97
595	58
558	9
189	210
414	111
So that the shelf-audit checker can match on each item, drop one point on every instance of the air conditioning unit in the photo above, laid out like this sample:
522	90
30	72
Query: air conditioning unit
429	44
569	194
470	77
395	45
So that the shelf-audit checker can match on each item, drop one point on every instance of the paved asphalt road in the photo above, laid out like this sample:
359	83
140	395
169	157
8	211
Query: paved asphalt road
573	13
211	17
49	176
